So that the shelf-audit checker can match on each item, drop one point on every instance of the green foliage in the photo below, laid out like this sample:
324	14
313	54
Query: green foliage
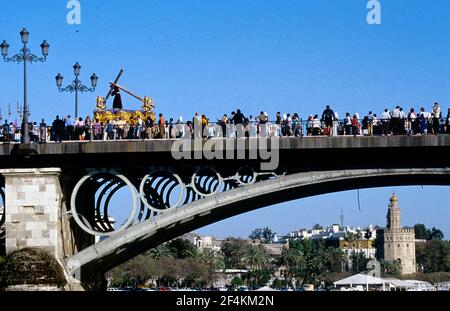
237	282
256	234
390	269
234	251
359	262
33	267
316	260
263	234
433	256
317	227
165	271
423	233
159	252
277	284
256	257
257	278
180	248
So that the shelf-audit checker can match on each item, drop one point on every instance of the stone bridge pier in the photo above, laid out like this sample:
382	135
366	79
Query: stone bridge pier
36	214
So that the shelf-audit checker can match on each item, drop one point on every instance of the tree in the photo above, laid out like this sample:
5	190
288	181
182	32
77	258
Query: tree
180	247
292	258
234	251
268	235
256	257
237	282
334	260
159	252
421	231
264	234
433	256
359	262
256	234
390	268
212	258
436	234
317	227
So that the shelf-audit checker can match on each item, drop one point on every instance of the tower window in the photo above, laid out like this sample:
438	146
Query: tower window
398	245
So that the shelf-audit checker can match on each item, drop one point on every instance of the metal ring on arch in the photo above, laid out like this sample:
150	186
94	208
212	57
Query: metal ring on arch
73	207
240	182
144	200
219	179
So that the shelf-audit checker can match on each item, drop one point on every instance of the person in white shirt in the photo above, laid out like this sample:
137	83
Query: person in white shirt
348	124
411	122
385	121
316	125
395	120
437	116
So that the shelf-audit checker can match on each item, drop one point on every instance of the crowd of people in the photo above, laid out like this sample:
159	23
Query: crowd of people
395	122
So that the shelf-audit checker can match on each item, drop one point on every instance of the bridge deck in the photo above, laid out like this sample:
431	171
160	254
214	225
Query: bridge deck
285	143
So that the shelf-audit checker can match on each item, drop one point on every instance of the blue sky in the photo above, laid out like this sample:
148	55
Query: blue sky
216	56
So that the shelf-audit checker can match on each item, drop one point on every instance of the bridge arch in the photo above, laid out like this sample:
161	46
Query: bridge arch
126	244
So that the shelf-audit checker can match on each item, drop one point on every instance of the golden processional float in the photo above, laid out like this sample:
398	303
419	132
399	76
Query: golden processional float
104	115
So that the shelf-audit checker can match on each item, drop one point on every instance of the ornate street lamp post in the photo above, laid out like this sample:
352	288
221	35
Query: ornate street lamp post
76	85
24	56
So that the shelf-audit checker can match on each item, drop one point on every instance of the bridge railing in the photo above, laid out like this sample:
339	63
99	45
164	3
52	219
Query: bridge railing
286	128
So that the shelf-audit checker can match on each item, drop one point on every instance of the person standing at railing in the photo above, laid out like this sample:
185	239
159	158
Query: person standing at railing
79	129
348	124
88	128
161	127
328	118
355	125
296	125
411	122
252	128
238	118
385	122
396	120
278	121
197	124
423	121
97	130
42	131
150	128
316	126
205	130
377	128
180	128
5	132
447	122
223	125
437	116
370	124
262	120
58	129
70	128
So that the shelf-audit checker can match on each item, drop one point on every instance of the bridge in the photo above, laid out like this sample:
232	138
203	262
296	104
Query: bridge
57	195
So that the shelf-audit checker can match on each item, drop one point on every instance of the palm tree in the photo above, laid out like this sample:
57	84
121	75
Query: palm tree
293	258
159	252
256	257
194	254
212	258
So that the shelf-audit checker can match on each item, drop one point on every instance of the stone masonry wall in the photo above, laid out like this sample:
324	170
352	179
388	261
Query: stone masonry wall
33	204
